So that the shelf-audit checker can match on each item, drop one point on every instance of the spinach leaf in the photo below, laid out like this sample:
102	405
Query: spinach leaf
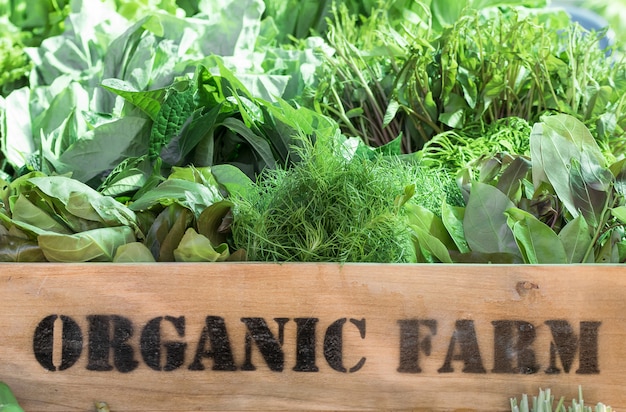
485	222
538	243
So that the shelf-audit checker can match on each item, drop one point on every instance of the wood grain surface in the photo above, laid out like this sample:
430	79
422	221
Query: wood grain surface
250	336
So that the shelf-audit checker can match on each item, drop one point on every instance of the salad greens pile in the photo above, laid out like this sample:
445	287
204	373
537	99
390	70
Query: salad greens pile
372	130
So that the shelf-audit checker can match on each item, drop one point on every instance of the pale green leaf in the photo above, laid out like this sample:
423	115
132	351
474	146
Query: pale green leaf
619	212
194	247
556	144
191	195
98	245
586	197
81	201
232	179
390	113
26	212
133	252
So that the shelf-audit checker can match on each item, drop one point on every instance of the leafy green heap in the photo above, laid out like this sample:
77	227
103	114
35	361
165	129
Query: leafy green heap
59	219
496	64
564	205
336	208
25	23
65	122
356	81
464	150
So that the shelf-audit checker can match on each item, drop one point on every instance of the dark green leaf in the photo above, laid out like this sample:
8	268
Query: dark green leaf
175	111
538	243
577	240
214	222
452	218
261	148
591	203
510	183
431	244
485	222
17	249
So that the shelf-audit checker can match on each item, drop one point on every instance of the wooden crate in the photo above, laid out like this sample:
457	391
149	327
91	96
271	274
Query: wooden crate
250	336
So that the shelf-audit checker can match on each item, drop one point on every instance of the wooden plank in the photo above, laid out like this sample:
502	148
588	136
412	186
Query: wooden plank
354	337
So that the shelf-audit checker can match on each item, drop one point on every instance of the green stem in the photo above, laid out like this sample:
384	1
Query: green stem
598	232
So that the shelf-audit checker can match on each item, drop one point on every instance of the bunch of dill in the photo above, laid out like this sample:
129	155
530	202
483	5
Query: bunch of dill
330	208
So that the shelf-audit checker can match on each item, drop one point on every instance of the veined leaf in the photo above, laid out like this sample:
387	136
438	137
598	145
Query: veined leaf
232	179
390	113
452	218
556	144
510	183
133	252
17	249
200	127
538	243
148	101
175	111
65	190
191	195
433	245
426	220
590	202
97	245
129	176
102	148
485	222
576	240
26	212
194	247
618	169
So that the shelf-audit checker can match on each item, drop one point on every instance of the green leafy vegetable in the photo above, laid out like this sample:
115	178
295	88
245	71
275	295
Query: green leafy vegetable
92	245
485	222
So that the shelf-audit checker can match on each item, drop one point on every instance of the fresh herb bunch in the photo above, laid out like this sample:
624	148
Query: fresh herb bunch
544	402
497	63
356	81
334	208
468	147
